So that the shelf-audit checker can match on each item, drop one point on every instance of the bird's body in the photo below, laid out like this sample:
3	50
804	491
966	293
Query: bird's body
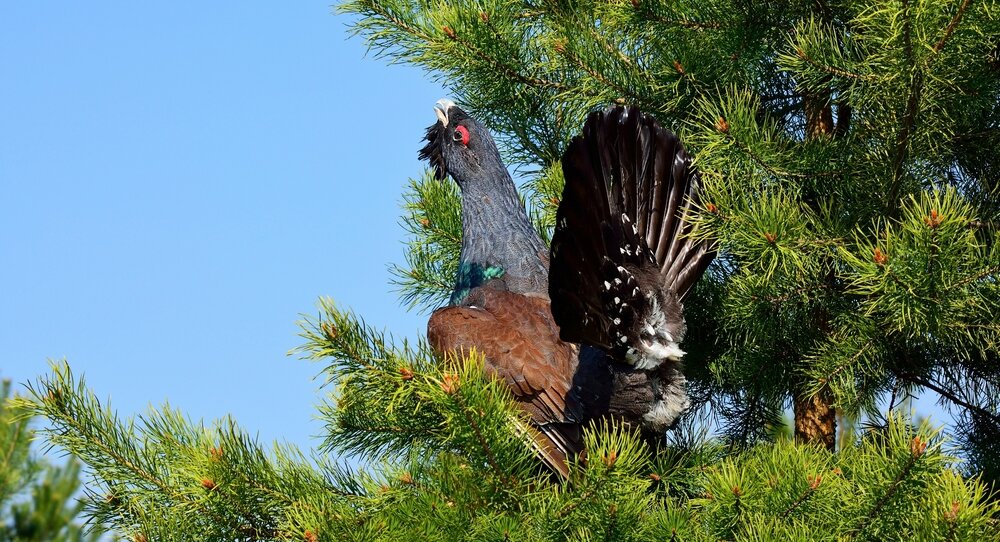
579	354
500	304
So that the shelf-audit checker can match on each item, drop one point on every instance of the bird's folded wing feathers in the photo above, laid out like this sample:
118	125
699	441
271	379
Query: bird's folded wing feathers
521	346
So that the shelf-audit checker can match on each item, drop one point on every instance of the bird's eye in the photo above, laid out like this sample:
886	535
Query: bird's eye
461	135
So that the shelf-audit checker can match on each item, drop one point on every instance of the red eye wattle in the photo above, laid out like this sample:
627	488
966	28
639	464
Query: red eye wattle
462	135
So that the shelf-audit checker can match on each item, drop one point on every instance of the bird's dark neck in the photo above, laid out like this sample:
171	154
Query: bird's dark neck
498	242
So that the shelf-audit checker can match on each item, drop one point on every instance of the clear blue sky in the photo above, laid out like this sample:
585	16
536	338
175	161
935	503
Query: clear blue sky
179	181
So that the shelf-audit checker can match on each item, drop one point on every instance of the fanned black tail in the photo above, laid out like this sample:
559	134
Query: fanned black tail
621	257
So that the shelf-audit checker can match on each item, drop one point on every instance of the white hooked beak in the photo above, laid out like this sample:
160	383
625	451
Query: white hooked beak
441	110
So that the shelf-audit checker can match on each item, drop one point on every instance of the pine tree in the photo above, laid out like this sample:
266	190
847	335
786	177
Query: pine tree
848	154
38	501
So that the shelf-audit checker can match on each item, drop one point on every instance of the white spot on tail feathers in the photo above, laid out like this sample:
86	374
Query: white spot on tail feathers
625	218
618	300
607	285
655	318
659	346
635	230
643	361
623	270
632	356
617	281
655	353
617	321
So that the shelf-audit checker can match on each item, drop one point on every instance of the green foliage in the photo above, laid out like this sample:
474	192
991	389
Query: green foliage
545	191
396	402
162	477
455	466
17	469
38	501
926	277
823	131
922	297
432	217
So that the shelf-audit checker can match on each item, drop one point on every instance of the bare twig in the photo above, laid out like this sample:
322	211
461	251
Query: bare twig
920	381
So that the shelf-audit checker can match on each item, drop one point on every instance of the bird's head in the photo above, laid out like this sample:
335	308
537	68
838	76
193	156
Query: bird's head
460	146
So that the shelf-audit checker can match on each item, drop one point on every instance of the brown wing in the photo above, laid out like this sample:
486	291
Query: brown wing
520	341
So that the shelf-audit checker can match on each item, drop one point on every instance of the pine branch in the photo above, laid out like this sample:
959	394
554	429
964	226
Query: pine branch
777	300
55	404
909	115
849	362
708	25
227	494
989	272
951	26
495	63
813	486
575	60
917	451
376	8
838	72
490	456
975	409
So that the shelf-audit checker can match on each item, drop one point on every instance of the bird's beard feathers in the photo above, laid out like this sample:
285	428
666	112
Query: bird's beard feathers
433	151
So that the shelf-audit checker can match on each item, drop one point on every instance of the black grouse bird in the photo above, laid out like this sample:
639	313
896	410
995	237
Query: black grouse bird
597	333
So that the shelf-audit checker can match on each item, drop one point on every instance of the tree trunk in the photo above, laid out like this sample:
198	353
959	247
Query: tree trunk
816	420
815	417
819	116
